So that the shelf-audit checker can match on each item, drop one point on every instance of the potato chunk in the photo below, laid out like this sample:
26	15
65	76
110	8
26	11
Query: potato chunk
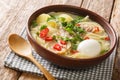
42	18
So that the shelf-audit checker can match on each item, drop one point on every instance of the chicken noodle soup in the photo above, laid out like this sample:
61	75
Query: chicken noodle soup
70	35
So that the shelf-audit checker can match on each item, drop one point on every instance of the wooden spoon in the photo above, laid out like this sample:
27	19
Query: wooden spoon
21	47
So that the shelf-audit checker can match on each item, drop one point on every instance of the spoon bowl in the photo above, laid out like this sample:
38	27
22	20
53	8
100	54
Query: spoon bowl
21	47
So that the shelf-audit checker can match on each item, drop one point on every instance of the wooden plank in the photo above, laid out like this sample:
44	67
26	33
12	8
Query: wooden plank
13	14
115	22
101	7
28	76
9	10
67	2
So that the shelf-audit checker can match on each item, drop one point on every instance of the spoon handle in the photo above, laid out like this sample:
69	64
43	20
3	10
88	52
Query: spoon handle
45	72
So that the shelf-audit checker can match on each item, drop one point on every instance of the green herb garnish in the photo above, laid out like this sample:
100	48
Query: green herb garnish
48	19
62	19
34	23
54	38
64	24
103	51
74	31
74	46
37	33
78	29
43	27
69	30
78	19
66	39
51	18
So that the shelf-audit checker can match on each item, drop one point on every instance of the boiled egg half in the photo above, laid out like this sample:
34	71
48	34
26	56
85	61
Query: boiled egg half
89	48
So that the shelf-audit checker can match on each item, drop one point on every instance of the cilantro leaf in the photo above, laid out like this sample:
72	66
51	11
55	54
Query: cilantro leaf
34	23
103	51
64	24
51	18
74	46
43	27
55	38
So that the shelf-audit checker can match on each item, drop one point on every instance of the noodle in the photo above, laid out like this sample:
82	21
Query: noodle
61	33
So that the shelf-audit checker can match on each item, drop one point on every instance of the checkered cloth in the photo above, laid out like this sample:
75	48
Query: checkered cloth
102	71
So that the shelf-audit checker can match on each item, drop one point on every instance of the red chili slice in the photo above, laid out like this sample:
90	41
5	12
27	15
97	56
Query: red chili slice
86	38
48	38
44	32
96	29
57	47
63	42
107	38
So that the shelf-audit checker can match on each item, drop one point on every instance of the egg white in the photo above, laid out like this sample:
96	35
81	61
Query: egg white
90	48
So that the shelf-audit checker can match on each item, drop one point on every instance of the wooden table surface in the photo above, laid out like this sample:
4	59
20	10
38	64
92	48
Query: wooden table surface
15	13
